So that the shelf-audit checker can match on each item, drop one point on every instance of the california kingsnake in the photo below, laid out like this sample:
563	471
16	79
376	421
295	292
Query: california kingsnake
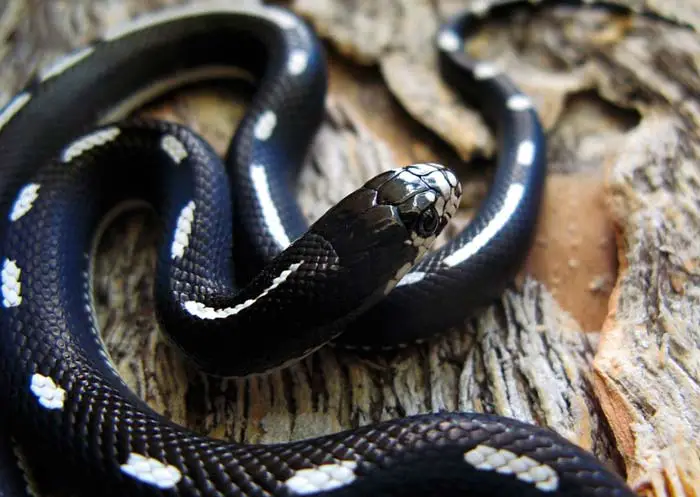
362	269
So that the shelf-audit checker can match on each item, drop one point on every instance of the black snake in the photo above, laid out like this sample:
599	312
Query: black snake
362	275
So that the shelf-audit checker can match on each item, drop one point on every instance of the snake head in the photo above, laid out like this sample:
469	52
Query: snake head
380	231
426	195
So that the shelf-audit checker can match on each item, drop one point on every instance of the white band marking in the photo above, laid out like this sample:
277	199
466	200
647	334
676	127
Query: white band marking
50	395
265	125
513	196
183	229
88	142
24	202
174	148
201	311
270	214
13	107
151	471
62	64
322	478
11	286
506	462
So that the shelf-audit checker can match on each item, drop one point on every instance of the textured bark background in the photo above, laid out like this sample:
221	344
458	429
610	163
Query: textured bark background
598	338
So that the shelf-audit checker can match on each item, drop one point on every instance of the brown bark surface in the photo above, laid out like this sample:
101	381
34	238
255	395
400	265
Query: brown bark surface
617	252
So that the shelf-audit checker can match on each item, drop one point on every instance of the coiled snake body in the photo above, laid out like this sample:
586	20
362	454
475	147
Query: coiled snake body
361	276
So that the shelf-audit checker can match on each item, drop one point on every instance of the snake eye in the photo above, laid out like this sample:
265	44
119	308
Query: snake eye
427	223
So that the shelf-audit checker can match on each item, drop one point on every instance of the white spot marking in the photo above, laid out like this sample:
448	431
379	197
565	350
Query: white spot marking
526	153
24	202
513	196
411	278
62	64
11	286
174	148
449	41
183	229
506	462
272	217
519	103
485	70
265	125
322	478
88	142
200	310
50	395
298	61
151	471
13	107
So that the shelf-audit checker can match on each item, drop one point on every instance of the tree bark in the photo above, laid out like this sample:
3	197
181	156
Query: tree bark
597	338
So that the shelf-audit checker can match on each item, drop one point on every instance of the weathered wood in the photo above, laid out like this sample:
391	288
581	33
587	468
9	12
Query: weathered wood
648	364
619	98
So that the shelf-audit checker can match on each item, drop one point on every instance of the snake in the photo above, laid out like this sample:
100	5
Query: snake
362	276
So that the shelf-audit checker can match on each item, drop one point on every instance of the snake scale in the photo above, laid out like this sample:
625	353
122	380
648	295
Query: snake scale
362	276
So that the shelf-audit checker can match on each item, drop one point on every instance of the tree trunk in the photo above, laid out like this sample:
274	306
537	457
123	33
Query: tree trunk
598	338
